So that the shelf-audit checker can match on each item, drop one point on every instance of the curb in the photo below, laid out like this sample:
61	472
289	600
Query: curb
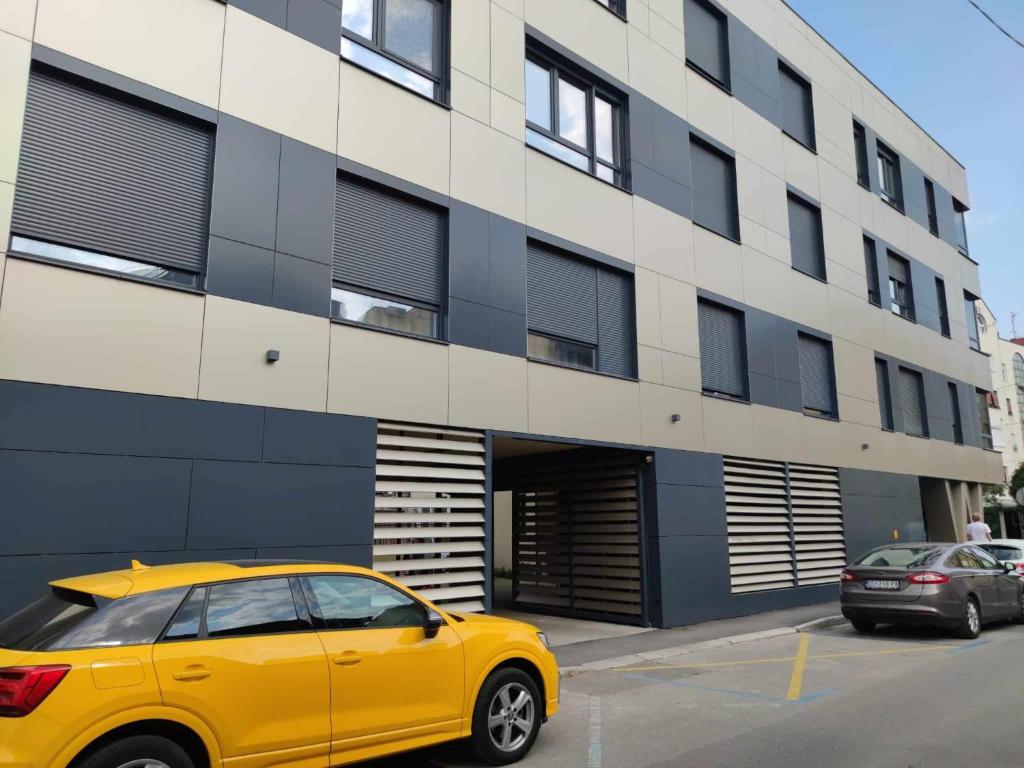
818	624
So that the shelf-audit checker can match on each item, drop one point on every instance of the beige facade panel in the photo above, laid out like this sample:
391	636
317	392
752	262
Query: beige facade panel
15	56
663	241
507	53
395	131
508	115
472	56
488	168
586	29
279	81
471	97
678	302
236	338
62	326
18	17
681	371
577	404
719	263
801	167
657	73
6	202
487	390
387	376
175	45
709	108
658	404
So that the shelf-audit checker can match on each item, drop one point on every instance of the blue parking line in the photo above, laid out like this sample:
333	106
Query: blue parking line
742	694
968	646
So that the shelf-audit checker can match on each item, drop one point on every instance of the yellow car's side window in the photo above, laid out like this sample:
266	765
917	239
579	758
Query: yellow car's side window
354	602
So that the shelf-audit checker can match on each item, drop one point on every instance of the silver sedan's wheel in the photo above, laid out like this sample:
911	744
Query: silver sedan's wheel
510	717
973	619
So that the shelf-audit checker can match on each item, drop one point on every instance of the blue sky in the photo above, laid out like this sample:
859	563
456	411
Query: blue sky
963	81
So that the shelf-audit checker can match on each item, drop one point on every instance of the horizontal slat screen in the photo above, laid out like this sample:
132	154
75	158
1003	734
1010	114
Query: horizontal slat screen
785	524
429	519
106	173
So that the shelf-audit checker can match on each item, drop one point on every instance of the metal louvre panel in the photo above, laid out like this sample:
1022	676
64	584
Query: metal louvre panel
429	512
758	525
714	189
561	295
884	393
577	536
722	367
912	401
107	174
806	245
816	373
817	523
706	40
797	110
615	323
388	243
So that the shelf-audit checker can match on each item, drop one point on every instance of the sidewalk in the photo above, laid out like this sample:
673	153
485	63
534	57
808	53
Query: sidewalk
655	640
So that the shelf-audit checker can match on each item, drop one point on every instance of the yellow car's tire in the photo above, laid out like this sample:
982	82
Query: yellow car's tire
142	751
506	717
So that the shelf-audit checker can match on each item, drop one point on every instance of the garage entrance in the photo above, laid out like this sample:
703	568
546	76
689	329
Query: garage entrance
567	530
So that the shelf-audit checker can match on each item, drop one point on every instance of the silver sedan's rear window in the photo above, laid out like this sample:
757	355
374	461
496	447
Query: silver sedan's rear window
901	557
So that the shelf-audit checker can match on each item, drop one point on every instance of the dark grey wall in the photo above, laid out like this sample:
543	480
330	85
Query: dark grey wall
92	479
318	21
688	547
877	503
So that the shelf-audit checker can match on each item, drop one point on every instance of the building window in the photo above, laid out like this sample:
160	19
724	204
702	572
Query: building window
723	350
940	298
971	317
713	175
954	409
901	291
984	419
915	420
959	209
707	40
1018	378
389	259
871	271
929	199
618	7
402	40
889	176
579	313
574	118
108	183
797	107
884	394
860	151
806	241
817	377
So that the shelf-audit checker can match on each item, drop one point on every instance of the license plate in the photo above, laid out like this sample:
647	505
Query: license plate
889	584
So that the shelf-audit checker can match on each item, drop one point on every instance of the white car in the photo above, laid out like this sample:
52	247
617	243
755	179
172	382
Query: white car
1006	551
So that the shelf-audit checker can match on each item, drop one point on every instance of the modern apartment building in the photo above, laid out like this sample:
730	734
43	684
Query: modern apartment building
667	288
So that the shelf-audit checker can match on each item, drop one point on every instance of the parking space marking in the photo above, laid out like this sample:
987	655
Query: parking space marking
594	753
796	680
694	686
968	646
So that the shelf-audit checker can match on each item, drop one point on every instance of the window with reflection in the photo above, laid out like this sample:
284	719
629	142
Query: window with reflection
257	607
574	118
402	40
889	176
356	602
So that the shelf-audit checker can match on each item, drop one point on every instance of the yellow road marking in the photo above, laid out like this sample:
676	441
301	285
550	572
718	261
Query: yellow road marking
797	678
775	660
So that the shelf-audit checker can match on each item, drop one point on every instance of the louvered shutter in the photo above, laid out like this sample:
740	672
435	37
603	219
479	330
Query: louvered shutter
912	400
714	189
387	242
105	173
884	394
806	244
561	295
817	523
707	40
797	110
722	365
816	374
758	525
615	323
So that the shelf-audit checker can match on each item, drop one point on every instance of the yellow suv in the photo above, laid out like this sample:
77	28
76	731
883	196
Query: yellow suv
260	663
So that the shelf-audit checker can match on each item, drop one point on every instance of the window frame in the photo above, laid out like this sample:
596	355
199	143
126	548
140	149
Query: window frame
833	413
955	413
984	419
929	204
960	226
907	302
886	156
940	297
971	321
922	397
887	415
441	49
317	621
860	153
596	348
593	88
744	396
815	209
714	10
733	184
439	333
618	7
871	272
790	72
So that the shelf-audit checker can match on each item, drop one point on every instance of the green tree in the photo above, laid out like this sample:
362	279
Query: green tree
1017	481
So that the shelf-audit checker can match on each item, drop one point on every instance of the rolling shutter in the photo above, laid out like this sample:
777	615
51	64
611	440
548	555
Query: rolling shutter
582	301
884	393
912	401
428	525
806	243
785	524
387	242
898	268
707	40
108	174
816	374
722	366
714	189
797	109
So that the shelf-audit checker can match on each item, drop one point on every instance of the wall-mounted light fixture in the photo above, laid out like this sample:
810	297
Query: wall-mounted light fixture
676	418
273	355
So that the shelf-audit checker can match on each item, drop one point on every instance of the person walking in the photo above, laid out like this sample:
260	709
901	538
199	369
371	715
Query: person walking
977	530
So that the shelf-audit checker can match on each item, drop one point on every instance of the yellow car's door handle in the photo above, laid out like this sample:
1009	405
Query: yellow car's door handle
347	659
193	673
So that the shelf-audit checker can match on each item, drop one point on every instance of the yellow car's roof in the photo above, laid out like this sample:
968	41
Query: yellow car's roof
141	578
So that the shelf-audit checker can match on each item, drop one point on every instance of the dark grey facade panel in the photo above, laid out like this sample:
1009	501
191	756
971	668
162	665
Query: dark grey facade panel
817	378
691	510
240	271
507	284
877	503
615	328
273	11
301	285
561	295
714	189
722	349
388	243
707	39
348	554
302	437
305	201
806	240
105	173
316	21
677	467
796	106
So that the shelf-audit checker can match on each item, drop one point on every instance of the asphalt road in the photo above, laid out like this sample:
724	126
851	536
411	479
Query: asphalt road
832	699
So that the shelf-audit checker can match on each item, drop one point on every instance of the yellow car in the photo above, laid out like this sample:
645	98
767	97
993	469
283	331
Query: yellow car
251	664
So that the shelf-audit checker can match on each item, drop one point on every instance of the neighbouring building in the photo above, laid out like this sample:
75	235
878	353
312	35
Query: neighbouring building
666	295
